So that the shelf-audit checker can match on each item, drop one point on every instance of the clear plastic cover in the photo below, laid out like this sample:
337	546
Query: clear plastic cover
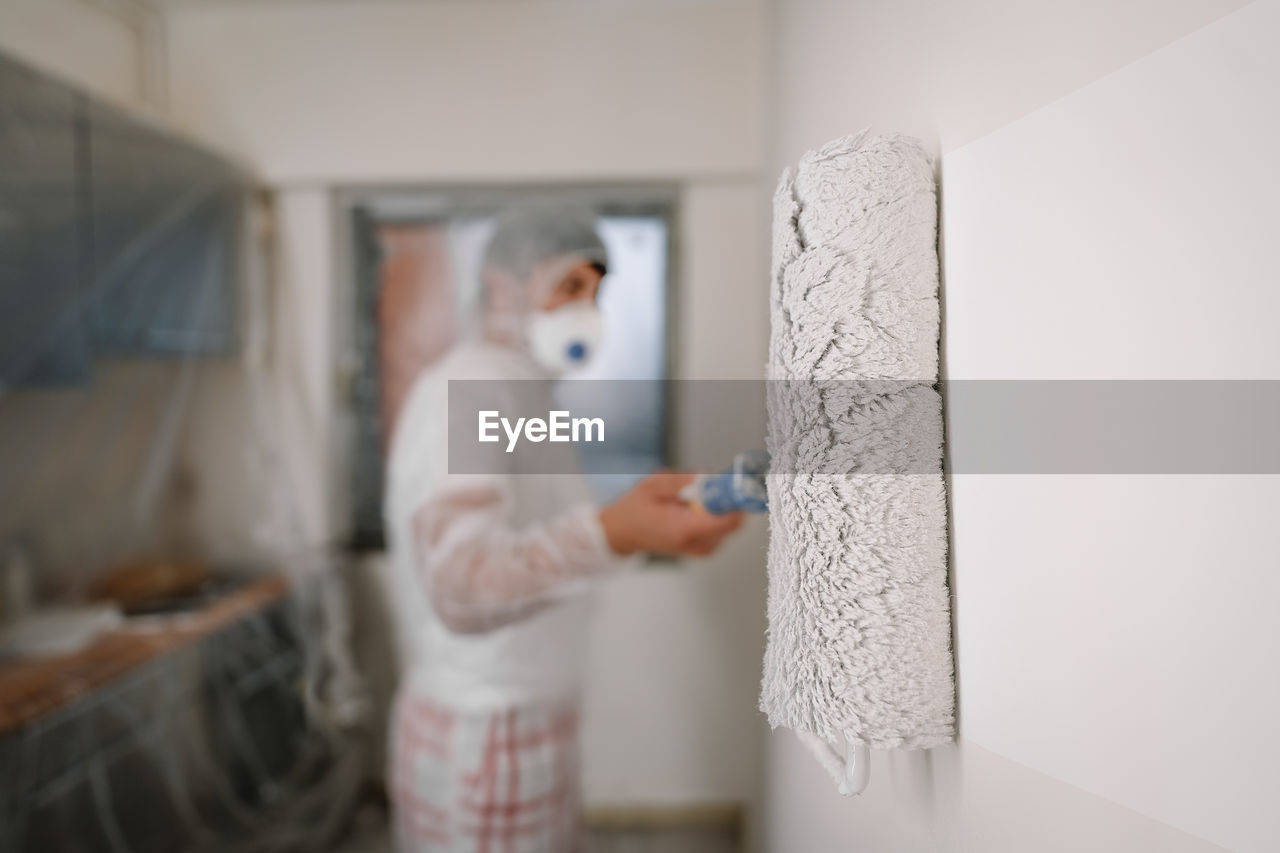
144	393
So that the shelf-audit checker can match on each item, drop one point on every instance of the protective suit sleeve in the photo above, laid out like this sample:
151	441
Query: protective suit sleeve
480	572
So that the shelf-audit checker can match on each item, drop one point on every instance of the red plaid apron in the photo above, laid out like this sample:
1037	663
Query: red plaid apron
497	782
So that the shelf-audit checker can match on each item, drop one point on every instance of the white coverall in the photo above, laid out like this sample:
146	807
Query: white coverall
488	573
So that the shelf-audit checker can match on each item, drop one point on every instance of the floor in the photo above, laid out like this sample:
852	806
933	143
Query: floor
374	840
661	841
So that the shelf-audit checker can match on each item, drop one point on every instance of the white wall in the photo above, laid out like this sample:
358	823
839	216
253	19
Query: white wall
387	91
1150	194
318	96
79	42
1107	212
950	72
675	654
964	798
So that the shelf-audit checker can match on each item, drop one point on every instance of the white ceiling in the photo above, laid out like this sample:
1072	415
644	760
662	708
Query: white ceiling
164	3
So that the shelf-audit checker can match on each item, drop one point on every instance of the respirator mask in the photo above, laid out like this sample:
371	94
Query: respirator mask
564	339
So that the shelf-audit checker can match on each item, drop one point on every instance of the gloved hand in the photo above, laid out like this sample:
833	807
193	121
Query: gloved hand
652	517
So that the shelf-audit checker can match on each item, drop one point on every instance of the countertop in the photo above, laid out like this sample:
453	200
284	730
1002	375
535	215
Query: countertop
34	687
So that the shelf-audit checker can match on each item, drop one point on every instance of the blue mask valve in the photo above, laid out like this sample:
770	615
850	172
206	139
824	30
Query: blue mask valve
577	351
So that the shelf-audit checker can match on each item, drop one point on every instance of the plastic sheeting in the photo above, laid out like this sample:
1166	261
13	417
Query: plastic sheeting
143	393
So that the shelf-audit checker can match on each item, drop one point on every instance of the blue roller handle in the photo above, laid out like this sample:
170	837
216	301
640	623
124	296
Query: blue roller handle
740	488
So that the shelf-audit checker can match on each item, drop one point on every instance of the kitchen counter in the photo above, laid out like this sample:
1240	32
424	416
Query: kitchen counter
34	687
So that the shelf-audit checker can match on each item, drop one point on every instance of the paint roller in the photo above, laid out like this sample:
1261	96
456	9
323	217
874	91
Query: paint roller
859	643
859	652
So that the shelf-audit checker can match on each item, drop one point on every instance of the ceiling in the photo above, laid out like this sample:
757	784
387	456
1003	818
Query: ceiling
163	3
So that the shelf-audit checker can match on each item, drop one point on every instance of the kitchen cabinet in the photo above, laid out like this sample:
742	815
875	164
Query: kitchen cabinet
166	221
117	238
42	336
